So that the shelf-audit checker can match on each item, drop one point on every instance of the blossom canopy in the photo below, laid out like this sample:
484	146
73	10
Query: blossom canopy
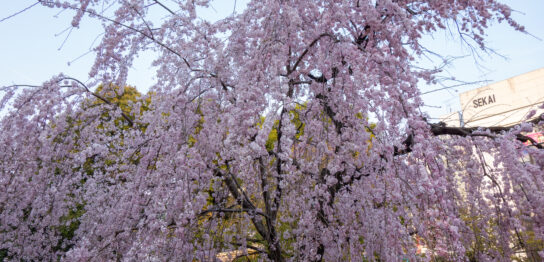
289	132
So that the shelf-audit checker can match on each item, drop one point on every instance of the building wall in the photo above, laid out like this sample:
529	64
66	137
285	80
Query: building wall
503	103
451	119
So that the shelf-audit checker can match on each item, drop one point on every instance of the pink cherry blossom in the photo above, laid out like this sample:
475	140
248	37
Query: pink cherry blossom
289	132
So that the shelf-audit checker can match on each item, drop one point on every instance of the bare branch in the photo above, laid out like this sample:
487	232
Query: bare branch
165	7
19	12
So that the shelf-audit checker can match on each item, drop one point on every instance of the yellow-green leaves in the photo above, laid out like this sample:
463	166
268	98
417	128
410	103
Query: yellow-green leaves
122	97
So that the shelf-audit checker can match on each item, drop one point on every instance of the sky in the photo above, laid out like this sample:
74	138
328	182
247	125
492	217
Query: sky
34	46
516	53
37	43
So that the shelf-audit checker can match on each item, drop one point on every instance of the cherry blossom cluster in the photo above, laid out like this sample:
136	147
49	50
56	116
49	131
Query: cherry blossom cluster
289	132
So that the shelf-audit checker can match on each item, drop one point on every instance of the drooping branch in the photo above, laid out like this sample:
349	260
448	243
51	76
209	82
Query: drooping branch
440	129
291	69
151	37
87	89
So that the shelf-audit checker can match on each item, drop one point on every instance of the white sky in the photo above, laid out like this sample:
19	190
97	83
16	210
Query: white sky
30	42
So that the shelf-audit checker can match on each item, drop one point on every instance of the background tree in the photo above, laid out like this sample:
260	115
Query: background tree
200	172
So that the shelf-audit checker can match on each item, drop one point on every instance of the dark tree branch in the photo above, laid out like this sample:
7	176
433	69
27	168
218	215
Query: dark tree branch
256	249
299	59
165	7
242	200
319	79
330	113
232	210
440	129
274	251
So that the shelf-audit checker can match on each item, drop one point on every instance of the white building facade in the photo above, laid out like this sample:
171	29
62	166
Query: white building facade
504	103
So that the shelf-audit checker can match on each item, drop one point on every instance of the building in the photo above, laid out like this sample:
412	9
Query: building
504	103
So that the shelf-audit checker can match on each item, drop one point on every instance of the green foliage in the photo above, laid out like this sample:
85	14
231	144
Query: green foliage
124	98
4	254
69	223
198	128
295	119
272	137
284	229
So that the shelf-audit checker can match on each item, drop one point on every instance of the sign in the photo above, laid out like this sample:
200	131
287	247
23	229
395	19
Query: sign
538	137
504	103
483	101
